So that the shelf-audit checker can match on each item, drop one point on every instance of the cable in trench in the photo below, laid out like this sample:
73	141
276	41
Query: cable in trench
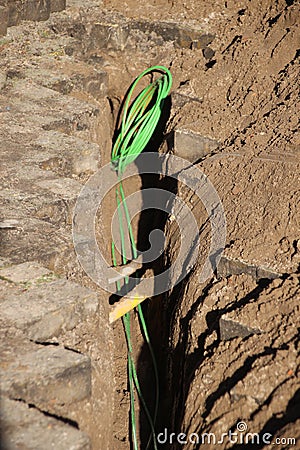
138	121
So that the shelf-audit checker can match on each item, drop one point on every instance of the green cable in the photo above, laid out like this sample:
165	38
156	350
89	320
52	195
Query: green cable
139	120
126	323
133	374
145	331
130	231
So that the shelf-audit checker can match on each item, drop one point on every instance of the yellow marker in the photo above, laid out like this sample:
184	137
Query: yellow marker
124	306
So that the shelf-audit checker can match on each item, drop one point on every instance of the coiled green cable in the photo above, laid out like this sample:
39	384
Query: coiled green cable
139	120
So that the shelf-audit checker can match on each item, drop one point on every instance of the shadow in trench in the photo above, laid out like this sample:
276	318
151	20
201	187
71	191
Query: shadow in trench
149	221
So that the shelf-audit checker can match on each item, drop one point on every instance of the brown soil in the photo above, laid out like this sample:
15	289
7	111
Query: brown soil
249	102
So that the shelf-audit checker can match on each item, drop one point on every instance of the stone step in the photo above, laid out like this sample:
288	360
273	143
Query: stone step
25	427
31	239
29	272
48	377
47	198
13	11
31	104
108	30
46	308
65	75
63	154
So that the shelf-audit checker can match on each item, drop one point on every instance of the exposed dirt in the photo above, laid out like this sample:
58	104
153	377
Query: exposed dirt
227	348
243	92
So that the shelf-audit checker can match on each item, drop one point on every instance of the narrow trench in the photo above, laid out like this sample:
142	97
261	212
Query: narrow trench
159	310
176	369
148	221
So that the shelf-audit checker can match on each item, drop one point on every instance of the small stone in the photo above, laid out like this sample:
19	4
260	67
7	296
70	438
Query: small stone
110	36
263	272
180	99
183	36
228	266
193	146
57	5
25	427
208	53
9	224
14	12
35	10
231	328
3	76
236	190
27	10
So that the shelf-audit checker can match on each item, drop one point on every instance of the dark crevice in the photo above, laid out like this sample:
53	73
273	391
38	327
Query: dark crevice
210	64
273	20
73	350
236	40
45	344
230	382
290	63
64	420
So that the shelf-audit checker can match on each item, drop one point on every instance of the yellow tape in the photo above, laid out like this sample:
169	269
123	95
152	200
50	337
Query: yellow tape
124	306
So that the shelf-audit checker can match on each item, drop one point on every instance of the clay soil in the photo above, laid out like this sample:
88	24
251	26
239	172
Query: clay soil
245	94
